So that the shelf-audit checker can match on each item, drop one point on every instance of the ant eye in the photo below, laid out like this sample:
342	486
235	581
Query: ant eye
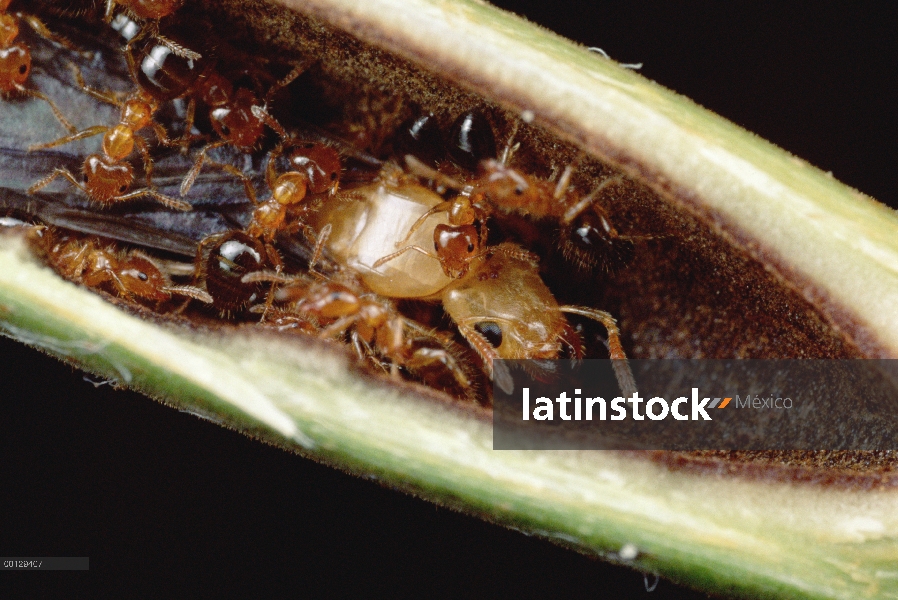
142	276
23	69
519	191
333	176
491	331
470	247
122	189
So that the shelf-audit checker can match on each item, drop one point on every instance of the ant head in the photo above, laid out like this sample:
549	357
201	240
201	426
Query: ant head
15	64
456	246
506	188
236	122
105	179
140	277
290	188
321	164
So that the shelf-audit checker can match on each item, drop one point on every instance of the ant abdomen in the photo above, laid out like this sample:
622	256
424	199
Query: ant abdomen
471	140
231	256
160	71
421	137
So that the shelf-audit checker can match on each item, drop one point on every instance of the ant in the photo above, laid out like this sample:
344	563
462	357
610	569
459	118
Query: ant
130	274
150	11
588	238
375	328
238	118
15	58
222	260
316	170
500	305
108	176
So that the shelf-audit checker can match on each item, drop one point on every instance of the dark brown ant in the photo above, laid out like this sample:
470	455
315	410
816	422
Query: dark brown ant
108	176
238	118
129	274
223	259
159	70
15	58
149	11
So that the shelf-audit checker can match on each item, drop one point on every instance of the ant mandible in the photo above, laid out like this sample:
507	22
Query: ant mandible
108	176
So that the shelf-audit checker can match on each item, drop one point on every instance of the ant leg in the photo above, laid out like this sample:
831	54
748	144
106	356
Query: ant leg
497	372
384	259
615	349
441	207
512	251
564	182
110	8
39	28
260	113
56	112
147	159
190	292
162	198
419	169
103	96
338	327
248	188
287	80
80	135
424	357
175	47
571	213
510	148
198	165
57	172
319	248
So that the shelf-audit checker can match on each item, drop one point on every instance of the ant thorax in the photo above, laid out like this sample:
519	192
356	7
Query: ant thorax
371	222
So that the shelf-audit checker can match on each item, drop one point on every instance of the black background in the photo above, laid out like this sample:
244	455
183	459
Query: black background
160	500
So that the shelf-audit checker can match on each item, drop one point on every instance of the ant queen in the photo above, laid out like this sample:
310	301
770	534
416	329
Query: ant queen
425	254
